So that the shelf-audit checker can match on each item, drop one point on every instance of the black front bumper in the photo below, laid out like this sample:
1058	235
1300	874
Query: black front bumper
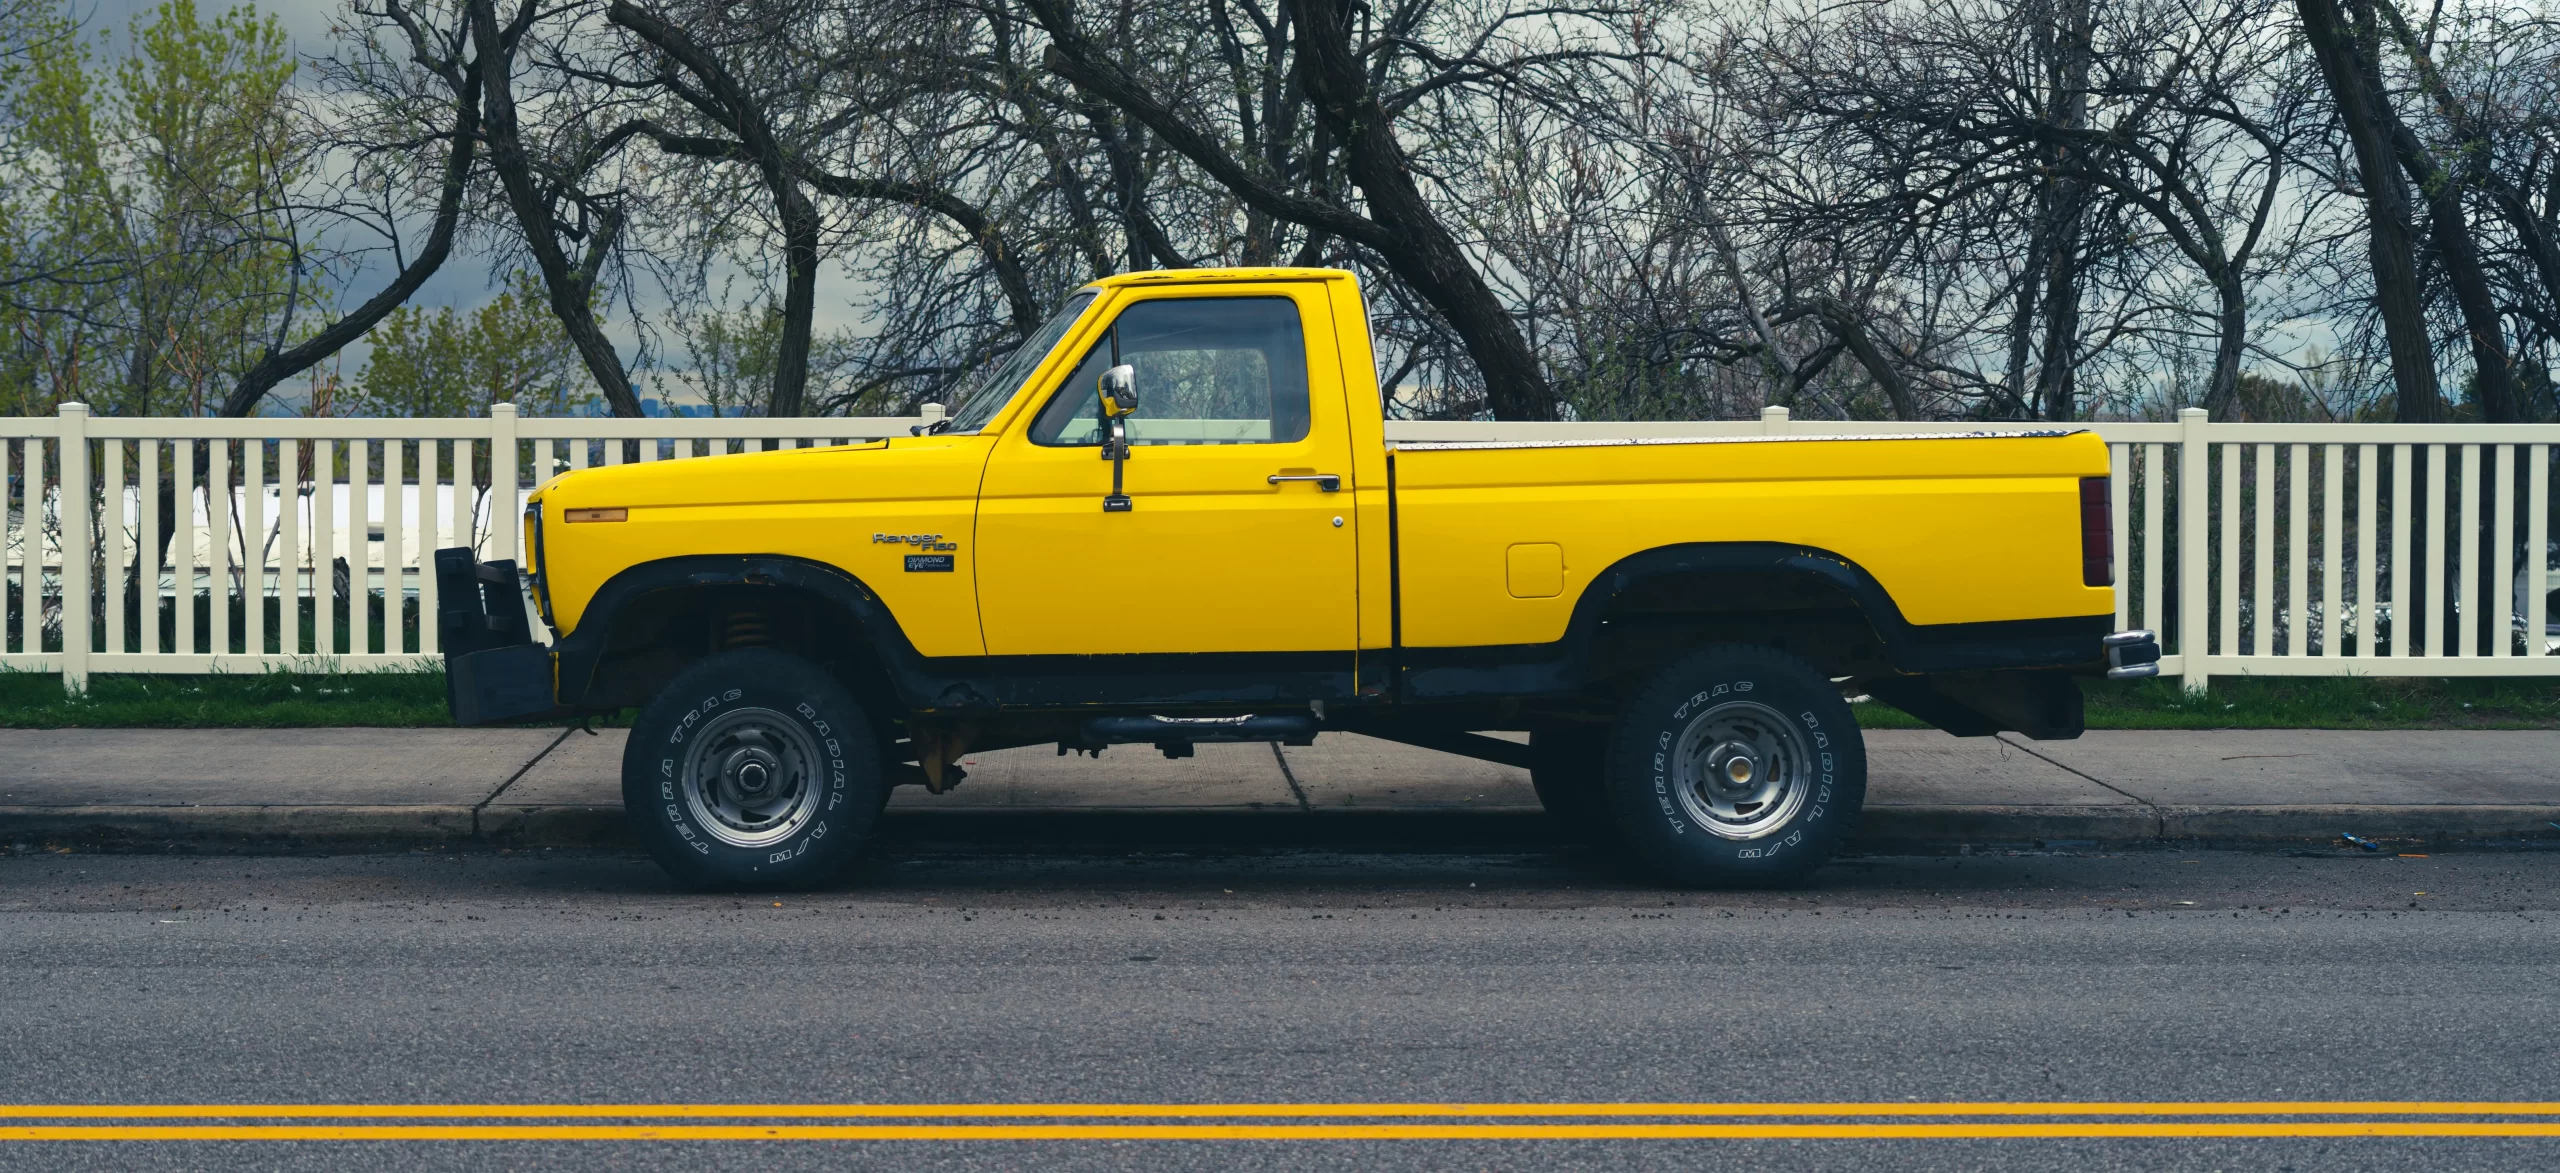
494	673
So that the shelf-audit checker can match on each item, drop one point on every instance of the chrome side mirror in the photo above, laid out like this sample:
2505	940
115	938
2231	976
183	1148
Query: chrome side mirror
1119	390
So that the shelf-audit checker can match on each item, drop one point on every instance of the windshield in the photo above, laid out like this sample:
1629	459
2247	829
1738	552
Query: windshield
980	402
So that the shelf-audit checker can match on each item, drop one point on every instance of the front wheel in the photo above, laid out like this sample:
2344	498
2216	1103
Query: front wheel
1736	765
753	770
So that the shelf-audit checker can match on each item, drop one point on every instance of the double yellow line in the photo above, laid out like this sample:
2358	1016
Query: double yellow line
1502	1121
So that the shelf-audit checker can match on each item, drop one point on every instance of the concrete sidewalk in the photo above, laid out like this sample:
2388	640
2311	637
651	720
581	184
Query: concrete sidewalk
372	788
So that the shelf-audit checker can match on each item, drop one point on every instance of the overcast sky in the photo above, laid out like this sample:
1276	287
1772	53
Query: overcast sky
463	282
306	21
466	281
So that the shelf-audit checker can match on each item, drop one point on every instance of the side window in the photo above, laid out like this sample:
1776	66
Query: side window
1210	370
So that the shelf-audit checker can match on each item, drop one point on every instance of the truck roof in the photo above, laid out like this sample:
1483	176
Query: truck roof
1191	276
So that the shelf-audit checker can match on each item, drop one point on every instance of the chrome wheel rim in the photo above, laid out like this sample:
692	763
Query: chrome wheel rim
1742	769
753	777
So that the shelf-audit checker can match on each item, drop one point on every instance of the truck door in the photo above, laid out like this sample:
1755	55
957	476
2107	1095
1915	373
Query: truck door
1231	542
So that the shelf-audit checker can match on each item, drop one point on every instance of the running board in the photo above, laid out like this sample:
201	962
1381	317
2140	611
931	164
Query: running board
1176	735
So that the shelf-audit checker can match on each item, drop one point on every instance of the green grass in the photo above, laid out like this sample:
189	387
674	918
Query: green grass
2304	702
283	700
2328	702
1879	715
270	700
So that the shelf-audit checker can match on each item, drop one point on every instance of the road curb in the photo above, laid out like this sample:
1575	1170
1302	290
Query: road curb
1923	829
2437	824
238	828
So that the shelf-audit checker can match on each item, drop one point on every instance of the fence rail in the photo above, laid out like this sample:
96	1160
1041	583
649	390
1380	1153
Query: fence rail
209	545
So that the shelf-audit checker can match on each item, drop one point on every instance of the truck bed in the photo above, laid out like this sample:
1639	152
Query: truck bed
1497	541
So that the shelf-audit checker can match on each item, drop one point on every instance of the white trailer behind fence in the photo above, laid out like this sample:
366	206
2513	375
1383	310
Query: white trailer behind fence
208	545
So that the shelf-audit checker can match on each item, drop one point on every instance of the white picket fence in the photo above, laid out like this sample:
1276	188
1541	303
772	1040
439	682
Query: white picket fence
2279	549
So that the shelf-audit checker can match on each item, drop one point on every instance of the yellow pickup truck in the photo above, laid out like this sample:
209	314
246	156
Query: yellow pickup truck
1173	517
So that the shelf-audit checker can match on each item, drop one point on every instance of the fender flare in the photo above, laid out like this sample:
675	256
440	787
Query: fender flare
1912	647
582	650
1566	665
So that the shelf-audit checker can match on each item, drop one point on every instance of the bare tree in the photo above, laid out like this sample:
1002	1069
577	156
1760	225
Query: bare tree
2056	146
2346	55
1342	57
440	53
536	198
720	97
1975	208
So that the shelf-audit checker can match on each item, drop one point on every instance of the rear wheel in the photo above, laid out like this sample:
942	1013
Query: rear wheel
753	770
1736	765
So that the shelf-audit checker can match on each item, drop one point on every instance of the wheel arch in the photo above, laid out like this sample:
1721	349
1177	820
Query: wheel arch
1801	599
1651	606
653	619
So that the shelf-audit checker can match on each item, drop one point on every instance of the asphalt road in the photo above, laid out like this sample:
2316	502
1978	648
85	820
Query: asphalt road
1303	977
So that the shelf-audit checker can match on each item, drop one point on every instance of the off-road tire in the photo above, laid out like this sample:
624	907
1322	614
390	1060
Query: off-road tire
1568	765
1735	766
754	770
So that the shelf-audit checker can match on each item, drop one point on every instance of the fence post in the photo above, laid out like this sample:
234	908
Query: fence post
2195	626
929	414
503	522
71	511
1773	421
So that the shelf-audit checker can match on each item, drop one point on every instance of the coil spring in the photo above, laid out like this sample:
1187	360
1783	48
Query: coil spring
746	629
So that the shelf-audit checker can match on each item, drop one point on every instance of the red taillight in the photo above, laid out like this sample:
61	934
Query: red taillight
2097	533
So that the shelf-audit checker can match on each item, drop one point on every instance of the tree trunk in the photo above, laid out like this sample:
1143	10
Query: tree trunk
740	114
1853	334
571	288
799	306
2067	85
2222	392
2057	380
276	368
2022	321
2493	372
2479	173
1400	227
2450	232
2396	289
1422	251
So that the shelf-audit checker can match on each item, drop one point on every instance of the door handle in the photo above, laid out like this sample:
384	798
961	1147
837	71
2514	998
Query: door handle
1329	482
